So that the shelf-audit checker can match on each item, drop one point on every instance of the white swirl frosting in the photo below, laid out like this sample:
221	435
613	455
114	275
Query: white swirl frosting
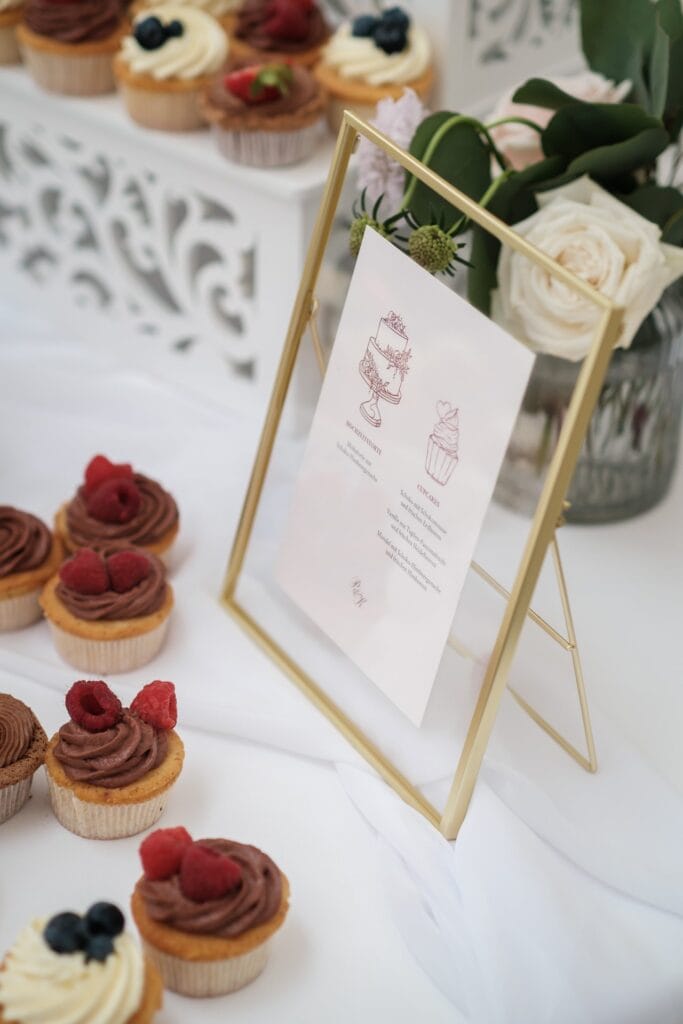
39	986
200	50
358	57
217	8
10	5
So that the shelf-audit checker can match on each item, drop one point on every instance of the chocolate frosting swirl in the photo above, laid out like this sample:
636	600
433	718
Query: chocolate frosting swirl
253	902
114	757
16	729
145	598
303	89
251	20
158	513
78	21
25	541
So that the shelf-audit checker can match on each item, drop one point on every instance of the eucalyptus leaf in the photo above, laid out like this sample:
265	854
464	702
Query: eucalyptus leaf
617	37
605	162
670	17
658	203
461	157
583	126
539	92
659	71
673	229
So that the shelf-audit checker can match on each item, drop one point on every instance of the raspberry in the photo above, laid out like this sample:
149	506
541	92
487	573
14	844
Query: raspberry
85	573
162	852
126	569
91	704
156	704
206	874
100	469
114	501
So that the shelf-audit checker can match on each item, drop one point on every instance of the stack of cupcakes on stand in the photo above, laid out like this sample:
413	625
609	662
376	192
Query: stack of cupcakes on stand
371	58
69	45
110	769
73	968
279	31
165	63
22	751
29	555
10	16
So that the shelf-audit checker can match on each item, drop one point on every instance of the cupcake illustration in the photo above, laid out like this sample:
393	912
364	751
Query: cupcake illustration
442	445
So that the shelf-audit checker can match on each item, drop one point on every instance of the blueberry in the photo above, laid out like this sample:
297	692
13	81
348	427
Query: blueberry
150	33
99	947
65	933
104	919
396	17
175	28
364	25
390	39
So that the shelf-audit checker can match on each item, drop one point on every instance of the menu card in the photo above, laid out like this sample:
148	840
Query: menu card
414	417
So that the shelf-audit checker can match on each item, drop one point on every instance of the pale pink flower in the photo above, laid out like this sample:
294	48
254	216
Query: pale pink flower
377	173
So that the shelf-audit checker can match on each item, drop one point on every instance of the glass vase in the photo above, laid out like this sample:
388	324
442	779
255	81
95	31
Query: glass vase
630	451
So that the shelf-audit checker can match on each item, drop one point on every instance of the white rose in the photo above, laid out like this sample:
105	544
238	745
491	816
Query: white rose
602	241
521	145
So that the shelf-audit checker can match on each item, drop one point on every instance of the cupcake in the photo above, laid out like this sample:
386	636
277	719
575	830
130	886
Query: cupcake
108	612
442	444
266	115
29	555
110	769
10	16
164	65
279	31
206	911
117	504
68	45
22	750
371	58
76	969
221	10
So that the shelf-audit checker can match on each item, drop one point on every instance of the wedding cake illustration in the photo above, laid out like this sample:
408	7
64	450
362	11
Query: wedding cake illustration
385	365
443	444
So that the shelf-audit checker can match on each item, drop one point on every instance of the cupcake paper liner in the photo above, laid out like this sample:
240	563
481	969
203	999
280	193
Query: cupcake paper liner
17	612
165	111
268	148
9	46
71	75
201	978
104	821
107	657
13	798
439	463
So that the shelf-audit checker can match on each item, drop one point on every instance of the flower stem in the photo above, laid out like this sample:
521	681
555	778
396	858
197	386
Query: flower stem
515	120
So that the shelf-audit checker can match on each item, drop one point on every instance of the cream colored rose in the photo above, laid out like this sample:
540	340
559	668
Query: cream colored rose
521	145
602	241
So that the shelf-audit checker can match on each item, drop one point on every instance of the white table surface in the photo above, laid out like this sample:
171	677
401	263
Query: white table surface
388	921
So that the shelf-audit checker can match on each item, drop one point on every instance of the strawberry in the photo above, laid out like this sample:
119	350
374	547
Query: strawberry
126	569
114	501
156	704
162	852
85	573
259	83
100	469
206	874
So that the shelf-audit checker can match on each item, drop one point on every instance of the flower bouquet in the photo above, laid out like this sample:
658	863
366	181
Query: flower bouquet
577	165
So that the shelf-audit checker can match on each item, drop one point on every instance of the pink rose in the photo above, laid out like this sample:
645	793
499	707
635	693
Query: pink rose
521	145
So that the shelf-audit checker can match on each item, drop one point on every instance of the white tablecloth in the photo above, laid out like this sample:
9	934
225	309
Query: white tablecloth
562	900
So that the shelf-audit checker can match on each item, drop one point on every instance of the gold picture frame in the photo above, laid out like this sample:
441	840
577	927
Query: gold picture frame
542	534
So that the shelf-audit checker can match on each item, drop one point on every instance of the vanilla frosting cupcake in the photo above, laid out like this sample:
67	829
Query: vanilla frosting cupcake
73	969
374	57
10	16
166	62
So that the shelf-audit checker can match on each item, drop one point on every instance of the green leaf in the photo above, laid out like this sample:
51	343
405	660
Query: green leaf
670	17
461	157
605	162
656	202
538	92
659	71
673	229
583	126
617	37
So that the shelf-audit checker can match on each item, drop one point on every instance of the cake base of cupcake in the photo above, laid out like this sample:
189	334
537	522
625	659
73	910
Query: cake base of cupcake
9	45
16	778
152	996
168	105
20	592
13	798
72	69
360	97
96	812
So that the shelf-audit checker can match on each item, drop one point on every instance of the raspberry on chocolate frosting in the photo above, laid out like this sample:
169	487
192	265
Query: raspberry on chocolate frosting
260	25
156	516
73	21
25	541
144	598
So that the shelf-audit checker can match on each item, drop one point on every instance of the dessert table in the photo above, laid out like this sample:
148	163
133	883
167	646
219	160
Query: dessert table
562	899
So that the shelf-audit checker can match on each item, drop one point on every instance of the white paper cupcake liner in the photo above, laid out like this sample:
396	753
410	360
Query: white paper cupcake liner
439	463
84	75
268	149
13	798
17	612
202	978
104	821
107	657
9	47
163	111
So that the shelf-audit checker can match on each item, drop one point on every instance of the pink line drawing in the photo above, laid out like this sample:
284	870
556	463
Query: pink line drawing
443	444
384	365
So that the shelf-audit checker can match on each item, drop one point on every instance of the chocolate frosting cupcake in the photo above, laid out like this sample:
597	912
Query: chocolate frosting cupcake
303	102
156	516
73	21
25	541
114	757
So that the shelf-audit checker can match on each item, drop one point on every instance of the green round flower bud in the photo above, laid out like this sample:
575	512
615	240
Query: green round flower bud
357	231
432	248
